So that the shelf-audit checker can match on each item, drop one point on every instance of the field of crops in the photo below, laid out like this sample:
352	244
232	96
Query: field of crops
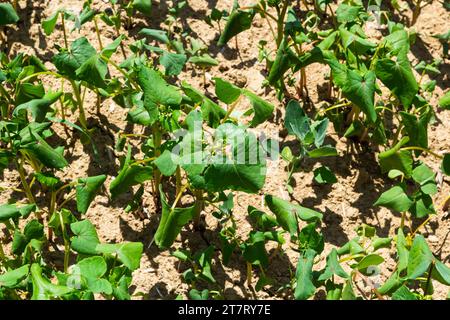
225	149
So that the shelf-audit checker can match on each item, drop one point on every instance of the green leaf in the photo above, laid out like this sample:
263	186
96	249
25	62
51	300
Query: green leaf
397	159
129	253
19	242
347	292
325	151
422	174
403	293
158	35
395	199
181	254
156	91
195	294
12	278
369	260
240	169
440	272
130	174
226	91
416	128
86	15
305	287
286	211
44	153
93	71
143	6
61	217
49	24
262	219
111	48
227	244
323	175
11	211
238	21
285	59
402	251
86	190
445	166
7	14
355	43
167	163
47	179
203	61
391	284
422	206
309	238
333	267
361	91
262	109
44	289
172	220
444	101
39	107
138	115
420	258
296	121
319	128
210	111
67	62
204	260
398	77
86	239
348	13
93	269
254	250
173	63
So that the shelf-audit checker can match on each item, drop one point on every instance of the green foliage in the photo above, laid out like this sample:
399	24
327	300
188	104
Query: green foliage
196	151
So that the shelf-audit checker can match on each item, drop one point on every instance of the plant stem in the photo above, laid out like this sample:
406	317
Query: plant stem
422	225
63	114
424	150
280	23
98	34
66	243
178	179
23	180
402	221
5	93
199	204
204	77
82	116
118	68
416	13
2	253
249	274
230	110
337	106
157	145
66	200
98	102
50	212
267	16
121	44
51	73
66	45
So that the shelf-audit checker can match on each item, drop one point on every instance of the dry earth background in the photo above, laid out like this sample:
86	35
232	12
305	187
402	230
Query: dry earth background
345	204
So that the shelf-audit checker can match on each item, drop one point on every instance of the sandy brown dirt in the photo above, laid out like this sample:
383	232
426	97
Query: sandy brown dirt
345	205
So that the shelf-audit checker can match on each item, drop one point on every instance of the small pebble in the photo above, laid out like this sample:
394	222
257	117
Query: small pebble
433	238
